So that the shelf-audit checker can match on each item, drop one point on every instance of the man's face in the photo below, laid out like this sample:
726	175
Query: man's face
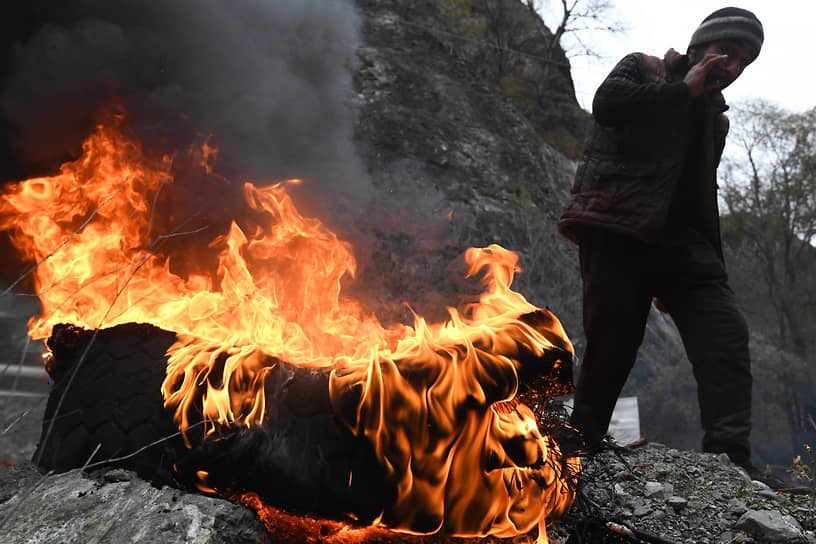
739	54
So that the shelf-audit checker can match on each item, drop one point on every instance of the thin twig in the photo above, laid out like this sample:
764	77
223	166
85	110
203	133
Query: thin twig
75	370
156	197
62	416
89	466
143	448
15	422
64	394
93	453
652	538
153	248
20	365
62	244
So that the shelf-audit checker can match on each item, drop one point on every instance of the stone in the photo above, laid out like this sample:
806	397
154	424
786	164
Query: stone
658	515
760	485
625	513
71	507
677	503
663	473
771	526
653	489
119	475
767	493
736	506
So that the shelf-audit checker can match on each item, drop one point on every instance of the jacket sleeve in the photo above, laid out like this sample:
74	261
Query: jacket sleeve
632	93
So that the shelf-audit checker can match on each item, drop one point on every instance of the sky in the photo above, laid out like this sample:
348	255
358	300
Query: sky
783	74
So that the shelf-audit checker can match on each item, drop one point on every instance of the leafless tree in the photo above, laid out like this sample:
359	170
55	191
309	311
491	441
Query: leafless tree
768	188
578	19
503	30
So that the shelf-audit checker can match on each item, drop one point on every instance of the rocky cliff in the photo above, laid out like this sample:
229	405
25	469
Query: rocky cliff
473	137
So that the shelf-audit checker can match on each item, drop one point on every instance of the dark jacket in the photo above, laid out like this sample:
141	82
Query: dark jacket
649	145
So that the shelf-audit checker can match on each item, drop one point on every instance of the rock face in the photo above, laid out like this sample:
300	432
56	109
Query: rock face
455	131
71	507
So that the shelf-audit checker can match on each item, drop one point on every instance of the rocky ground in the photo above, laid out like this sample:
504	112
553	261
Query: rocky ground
110	506
664	495
688	497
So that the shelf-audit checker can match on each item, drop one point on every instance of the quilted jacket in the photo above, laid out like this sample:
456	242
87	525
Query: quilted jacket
648	145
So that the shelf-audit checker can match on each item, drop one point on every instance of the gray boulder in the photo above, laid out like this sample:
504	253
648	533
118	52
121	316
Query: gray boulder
73	508
771	526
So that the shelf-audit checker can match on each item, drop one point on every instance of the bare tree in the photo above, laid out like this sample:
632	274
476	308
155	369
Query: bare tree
578	19
503	30
768	189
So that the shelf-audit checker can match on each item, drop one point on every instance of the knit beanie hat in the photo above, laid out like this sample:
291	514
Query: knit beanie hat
730	24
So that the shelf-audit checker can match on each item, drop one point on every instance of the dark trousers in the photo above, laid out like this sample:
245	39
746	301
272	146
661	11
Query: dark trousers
621	275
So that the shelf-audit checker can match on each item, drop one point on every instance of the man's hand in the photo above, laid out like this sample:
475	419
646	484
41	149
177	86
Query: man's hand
696	76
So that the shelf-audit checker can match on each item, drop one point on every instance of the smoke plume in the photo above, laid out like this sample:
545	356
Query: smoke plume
269	79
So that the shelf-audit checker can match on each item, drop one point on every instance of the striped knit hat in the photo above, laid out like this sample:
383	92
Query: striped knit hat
730	24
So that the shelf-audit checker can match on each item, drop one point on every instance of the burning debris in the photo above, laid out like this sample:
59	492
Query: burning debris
278	384
225	353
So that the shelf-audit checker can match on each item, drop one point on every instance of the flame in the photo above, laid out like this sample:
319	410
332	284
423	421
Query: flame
435	399
438	410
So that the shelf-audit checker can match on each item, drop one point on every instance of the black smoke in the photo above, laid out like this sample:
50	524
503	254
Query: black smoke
269	79
269	82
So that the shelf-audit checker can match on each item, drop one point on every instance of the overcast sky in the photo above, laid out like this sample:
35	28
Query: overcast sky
783	73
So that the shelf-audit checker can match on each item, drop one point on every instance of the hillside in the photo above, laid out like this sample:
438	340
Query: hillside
447	123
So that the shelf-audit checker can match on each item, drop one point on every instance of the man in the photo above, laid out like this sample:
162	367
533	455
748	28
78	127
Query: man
643	210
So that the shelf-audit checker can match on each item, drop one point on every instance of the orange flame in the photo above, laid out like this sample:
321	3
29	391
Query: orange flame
92	232
429	407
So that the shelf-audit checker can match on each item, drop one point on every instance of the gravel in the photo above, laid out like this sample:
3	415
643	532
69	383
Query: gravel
668	495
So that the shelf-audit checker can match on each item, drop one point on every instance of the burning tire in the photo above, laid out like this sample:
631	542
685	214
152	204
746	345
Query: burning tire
106	402
106	409
274	382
